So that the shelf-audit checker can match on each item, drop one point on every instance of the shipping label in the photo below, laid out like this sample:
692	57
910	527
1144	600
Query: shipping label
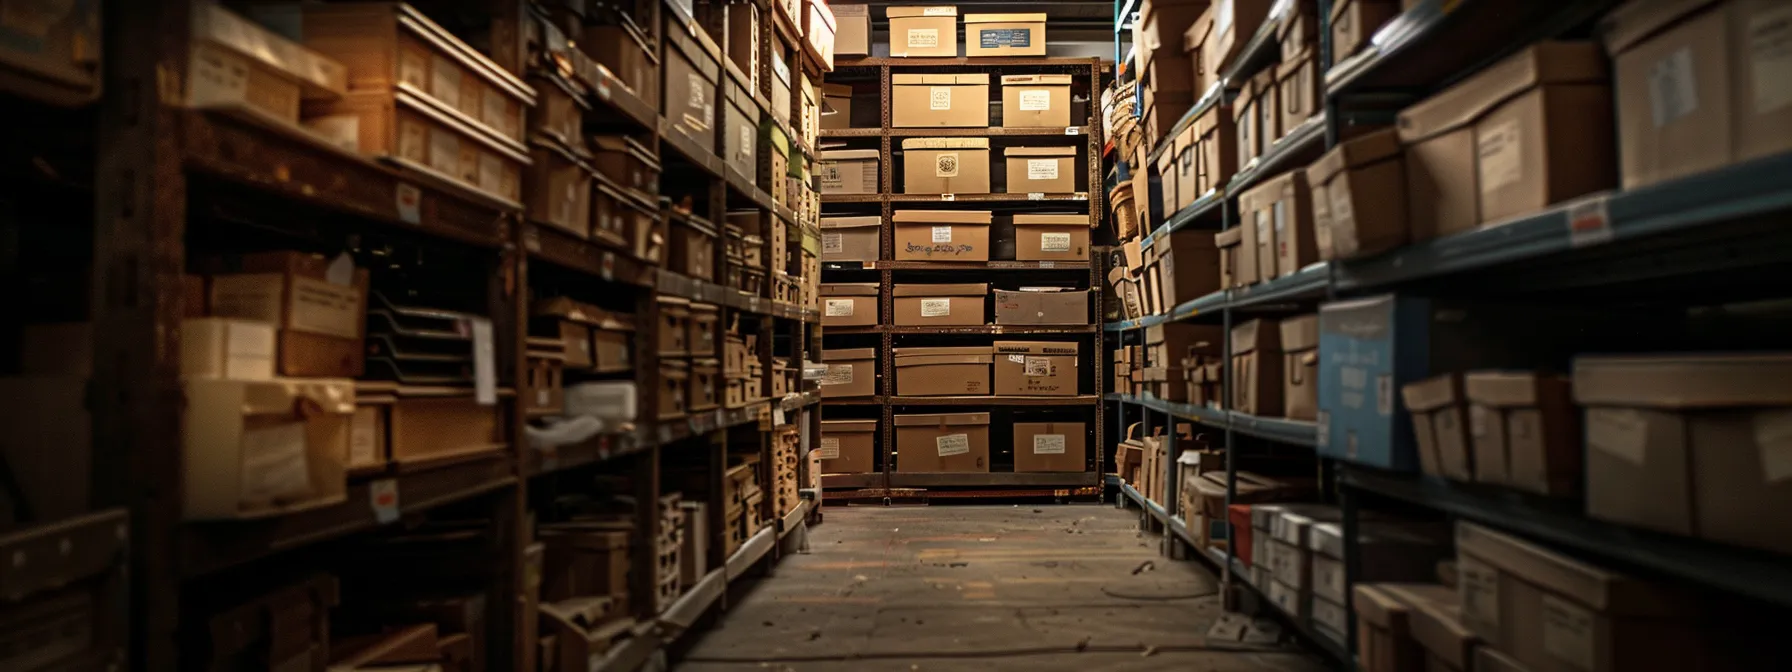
953	444
839	307
942	234
1037	366
1048	444
832	243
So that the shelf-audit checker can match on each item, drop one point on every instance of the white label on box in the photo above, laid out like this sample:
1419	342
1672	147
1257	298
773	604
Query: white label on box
1773	433
839	307
1054	242
1501	159
409	200
1018	359
924	37
1037	366
1042	169
1263	233
945	165
320	307
485	361
1035	100
832	243
1770	47
444	81
953	444
413	141
363	445
830	448
382	495
940	11
939	98
1222	20
942	234
1568	632
1620	432
1480	590
1048	444
838	374
1278	217
936	307
275	464
1673	88
444	151
249	351
412	69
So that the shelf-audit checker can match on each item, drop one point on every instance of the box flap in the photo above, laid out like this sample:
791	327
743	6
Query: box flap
850	222
1004	18
1594	587
1632	22
850	155
1514	388
1377	146
1542	63
1435	618
967	78
935	10
1198	32
1300	333
1232	237
1036	80
946	143
1256	335
942	216
1684	381
1040	151
942	419
1051	220
836	90
1034	348
848	354
839	426
1432	393
1291	66
965	289
849	289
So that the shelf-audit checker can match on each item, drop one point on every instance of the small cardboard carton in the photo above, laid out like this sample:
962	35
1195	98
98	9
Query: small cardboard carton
837	102
941	235
850	238
955	305
1526	431
850	373
1042	305
1256	364
1353	22
1216	140
1278	219
942	442
1439	425
1231	243
923	31
1359	197
1190	267
1050	446
853	30
1300	368
260	448
850	171
1041	170
218	347
939	100
1035	368
945	166
319	305
1036	101
849	304
951	371
1004	34
1050	237
848	446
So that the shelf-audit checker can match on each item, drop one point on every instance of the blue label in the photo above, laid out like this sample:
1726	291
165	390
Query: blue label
991	38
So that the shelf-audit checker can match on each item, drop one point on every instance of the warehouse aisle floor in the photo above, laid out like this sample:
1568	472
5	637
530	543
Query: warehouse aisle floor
1035	588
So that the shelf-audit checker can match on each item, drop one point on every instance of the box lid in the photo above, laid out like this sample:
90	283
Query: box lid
1550	62
964	289
838	426
935	10
851	10
849	289
1034	348
1632	22
1232	237
848	354
1376	606
946	143
1353	153
1595	587
836	90
1513	388
1039	151
942	216
1051	220
317	75
1300	333
1435	619
1198	32
1684	381
939	78
1004	18
1432	393
942	419
850	222
1036	80
850	155
1256	335
1289	67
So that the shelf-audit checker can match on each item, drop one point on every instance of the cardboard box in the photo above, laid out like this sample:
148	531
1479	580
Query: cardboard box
848	446
1190	264
1353	22
1050	446
1047	237
1436	618
818	33
1187	168
1042	305
1235	22
956	442
1041	170
939	100
1168	343
1298	89
852	36
1280	212
941	235
942	371
1298	31
1359	197
1440	426
1194	50
1035	368
850	373
1526	431
1726	104
954	305
849	304
1390	550
945	166
1256	368
1245	123
923	31
248	451
1004	34
1300	370
1687	444
216	347
238	65
1216	140
1269	110
319	305
1383	630
1036	101
1476	153
850	171
1167	181
850	238
1230	243
837	101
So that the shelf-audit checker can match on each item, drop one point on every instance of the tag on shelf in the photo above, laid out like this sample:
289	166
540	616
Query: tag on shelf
1035	196
410	203
383	495
1072	130
1589	222
948	197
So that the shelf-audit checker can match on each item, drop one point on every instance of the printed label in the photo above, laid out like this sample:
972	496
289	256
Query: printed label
1054	242
830	448
942	234
953	444
1568	632
1018	359
939	98
1770	48
924	37
1048	444
997	38
936	307
1036	367
1773	433
1620	432
1042	169
1480	590
1035	100
274	462
1501	159
946	165
832	243
318	307
444	81
838	374
1673	91
839	307
940	11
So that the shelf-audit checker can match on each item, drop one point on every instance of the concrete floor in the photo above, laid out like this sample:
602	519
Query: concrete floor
1036	588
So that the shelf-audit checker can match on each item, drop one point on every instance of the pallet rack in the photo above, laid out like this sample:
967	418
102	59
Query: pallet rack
1712	228
887	482
161	166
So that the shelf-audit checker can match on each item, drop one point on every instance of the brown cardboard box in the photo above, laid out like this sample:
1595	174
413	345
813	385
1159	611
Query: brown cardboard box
851	373
849	304
1300	381
1690	444
1359	197
218	347
852	36
1166	181
1217	141
259	448
1436	621
1281	212
942	442
1187	168
1035	369
945	166
1127	293
1042	170
942	371
1383	630
1235	22
1194	50
1050	446
1298	32
1298	88
850	238
923	31
941	235
1230	242
1696	85
1004	34
850	171
1526	431
1042	305
1439	426
1191	267
1269	110
1477	153
1166	344
1045	237
939	100
1355	21
1256	368
1245	122
955	305
838	100
848	446
322	317
1036	101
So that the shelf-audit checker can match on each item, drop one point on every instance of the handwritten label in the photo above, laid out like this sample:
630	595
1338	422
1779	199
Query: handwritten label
939	98
839	307
936	307
1048	444
942	234
923	38
1037	366
1042	169
1054	242
953	444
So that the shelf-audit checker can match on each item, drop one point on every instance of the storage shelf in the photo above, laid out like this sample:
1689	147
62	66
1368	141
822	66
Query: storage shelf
744	186
975	61
994	400
994	329
1742	571
612	92
1439	41
955	265
790	521
1215	95
993	479
860	481
990	132
1149	506
1081	196
1264	50
1204	208
1295	432
688	151
1295	149
756	547
1306	286
563	249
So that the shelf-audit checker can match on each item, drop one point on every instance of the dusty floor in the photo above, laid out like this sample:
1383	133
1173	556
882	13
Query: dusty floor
1036	588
